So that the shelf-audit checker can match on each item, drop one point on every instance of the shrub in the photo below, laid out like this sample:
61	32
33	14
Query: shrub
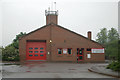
114	66
16	58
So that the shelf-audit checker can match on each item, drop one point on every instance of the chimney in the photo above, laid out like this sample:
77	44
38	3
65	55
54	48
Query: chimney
89	35
51	17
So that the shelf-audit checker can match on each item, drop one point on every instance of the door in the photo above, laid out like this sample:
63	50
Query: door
36	51
80	53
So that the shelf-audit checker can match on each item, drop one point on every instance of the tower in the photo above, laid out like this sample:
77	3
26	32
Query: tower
51	17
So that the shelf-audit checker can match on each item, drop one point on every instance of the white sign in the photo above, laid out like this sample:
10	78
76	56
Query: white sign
98	50
64	51
88	55
48	52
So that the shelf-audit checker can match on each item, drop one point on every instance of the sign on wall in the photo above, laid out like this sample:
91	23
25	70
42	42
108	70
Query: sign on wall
64	51
98	50
88	55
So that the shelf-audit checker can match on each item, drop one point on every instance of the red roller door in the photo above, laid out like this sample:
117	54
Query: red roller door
36	51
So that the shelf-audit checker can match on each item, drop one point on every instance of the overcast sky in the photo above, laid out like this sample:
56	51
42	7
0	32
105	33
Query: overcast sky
79	16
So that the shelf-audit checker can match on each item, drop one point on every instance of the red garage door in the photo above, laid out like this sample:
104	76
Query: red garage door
36	51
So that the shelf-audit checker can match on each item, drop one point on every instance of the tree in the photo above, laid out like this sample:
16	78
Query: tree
16	40
112	49
0	52
18	36
119	50
110	40
11	52
102	36
112	35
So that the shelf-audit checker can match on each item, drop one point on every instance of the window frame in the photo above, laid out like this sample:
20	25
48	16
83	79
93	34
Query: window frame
35	51
88	48
30	55
30	48
35	55
36	48
79	55
41	55
42	51
41	48
71	51
81	59
30	51
61	51
81	51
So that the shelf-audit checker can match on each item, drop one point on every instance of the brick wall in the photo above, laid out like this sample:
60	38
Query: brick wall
61	38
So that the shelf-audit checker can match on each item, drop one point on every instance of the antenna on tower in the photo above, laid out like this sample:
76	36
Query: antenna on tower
52	6
55	5
48	8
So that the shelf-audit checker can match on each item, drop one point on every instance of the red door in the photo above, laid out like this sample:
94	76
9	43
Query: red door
80	54
36	51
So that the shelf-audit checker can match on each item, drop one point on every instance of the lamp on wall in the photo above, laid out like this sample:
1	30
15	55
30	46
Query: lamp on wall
48	52
50	41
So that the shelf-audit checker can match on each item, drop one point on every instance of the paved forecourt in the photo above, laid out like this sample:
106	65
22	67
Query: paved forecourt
51	70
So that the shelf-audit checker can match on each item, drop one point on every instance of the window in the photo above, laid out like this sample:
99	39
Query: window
41	48
35	55
69	51
30	51
30	55
41	51
35	48
30	48
82	48
59	51
88	49
41	55
80	52
36	51
80	57
77	51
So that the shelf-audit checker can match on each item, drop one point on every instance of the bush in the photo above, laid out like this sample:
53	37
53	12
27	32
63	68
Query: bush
16	58
115	66
11	51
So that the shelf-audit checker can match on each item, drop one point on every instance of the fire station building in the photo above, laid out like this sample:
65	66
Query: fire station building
53	42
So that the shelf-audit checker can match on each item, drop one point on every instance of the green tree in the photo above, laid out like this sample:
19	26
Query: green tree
112	49
0	52
16	40
102	36
110	40
112	35
119	50
18	36
11	52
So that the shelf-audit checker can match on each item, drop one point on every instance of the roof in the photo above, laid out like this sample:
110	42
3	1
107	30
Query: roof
62	28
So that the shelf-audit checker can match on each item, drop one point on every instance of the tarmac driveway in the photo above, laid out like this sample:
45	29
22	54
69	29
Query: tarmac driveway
51	70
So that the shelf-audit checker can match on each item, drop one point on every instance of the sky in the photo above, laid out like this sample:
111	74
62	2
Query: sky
79	16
